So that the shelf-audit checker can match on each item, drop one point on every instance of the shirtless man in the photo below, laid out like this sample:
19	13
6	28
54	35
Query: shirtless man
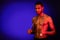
40	24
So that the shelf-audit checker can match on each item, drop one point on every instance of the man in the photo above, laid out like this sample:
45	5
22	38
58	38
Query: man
40	24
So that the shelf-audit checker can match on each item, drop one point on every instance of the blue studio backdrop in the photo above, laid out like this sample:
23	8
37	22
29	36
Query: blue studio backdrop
17	18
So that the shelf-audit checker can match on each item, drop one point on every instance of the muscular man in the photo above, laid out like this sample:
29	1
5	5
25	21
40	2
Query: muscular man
40	23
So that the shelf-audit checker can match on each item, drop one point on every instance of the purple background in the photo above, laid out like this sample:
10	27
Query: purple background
17	18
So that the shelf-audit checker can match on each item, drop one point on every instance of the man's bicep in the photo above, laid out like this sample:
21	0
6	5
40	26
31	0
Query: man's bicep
51	23
32	26
32	23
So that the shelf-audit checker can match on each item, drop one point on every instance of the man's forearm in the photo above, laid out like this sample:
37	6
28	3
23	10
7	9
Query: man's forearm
50	32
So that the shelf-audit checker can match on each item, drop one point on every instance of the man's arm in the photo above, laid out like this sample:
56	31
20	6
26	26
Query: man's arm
33	25
51	26
30	31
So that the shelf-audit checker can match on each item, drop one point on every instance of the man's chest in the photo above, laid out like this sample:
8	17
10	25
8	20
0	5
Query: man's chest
41	21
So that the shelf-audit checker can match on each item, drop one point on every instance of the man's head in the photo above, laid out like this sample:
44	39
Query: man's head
39	7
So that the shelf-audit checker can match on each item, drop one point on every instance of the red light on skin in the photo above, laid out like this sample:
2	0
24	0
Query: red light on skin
45	27
39	9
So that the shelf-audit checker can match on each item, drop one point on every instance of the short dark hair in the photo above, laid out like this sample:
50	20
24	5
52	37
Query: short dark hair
39	3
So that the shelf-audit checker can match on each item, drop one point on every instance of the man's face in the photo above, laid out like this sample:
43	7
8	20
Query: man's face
39	9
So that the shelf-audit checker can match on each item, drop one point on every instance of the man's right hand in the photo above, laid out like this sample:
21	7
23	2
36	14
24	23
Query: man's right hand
29	31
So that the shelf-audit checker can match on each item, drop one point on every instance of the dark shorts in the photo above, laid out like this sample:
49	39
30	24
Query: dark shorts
48	38
40	39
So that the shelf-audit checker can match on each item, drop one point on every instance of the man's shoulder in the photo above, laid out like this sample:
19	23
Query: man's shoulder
47	16
34	17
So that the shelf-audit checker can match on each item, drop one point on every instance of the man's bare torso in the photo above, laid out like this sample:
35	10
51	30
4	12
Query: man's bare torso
41	25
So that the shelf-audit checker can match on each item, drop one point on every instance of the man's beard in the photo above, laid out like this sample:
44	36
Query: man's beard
39	13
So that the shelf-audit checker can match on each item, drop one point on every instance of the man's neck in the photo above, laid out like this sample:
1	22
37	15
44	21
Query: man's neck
41	14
